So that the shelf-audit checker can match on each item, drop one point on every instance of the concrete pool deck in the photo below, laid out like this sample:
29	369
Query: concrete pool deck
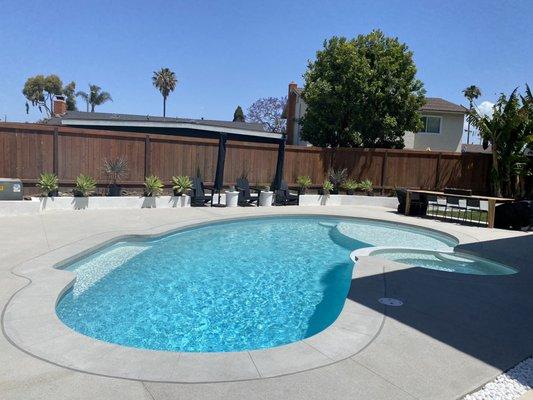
453	334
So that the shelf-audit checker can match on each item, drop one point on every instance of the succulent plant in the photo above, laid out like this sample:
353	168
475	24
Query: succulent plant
366	186
304	182
48	183
350	184
327	187
153	186
181	184
116	169
337	177
84	185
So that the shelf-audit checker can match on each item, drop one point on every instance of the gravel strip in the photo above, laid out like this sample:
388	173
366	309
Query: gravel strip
509	385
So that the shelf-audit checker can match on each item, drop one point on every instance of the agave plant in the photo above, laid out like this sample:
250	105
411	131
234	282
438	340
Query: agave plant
366	186
337	177
84	185
116	169
327	187
48	184
350	186
304	182
153	186
181	184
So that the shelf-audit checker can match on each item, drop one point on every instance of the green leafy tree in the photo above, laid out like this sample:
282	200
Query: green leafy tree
471	93
70	93
238	115
165	81
509	131
95	97
362	92
41	90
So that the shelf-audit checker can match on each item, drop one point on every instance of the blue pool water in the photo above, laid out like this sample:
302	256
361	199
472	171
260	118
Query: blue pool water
230	286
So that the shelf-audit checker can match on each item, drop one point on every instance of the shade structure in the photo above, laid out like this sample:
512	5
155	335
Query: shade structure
276	184
221	159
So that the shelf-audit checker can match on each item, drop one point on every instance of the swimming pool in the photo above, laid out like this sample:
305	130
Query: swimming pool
239	285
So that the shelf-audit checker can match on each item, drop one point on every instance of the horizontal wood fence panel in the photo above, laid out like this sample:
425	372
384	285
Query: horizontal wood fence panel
27	150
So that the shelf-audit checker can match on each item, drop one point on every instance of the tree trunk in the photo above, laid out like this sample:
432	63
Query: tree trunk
164	106
92	107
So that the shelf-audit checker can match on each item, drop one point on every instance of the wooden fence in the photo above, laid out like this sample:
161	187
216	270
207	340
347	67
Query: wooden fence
27	150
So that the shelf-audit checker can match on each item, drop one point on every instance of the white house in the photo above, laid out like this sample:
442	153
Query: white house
443	123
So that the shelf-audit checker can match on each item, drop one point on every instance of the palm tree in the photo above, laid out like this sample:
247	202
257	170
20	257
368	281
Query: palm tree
95	97
472	92
165	81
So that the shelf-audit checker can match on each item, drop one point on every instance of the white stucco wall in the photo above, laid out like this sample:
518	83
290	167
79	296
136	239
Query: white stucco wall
449	138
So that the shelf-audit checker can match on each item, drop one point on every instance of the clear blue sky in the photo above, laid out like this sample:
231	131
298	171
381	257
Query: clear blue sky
230	53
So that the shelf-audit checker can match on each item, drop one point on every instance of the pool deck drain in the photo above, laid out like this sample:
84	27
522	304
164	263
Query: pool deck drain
453	335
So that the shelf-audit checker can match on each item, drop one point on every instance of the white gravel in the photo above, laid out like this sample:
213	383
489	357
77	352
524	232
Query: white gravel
508	386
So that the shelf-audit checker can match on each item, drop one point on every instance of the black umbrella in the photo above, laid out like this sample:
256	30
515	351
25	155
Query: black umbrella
219	175
279	166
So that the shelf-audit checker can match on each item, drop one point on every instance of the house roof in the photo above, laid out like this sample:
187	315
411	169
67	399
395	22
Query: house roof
438	104
96	119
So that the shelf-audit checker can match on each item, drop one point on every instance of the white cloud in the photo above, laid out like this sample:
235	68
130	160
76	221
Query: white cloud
485	108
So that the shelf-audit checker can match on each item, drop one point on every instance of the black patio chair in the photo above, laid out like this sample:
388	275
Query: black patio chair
246	198
418	205
198	197
453	204
283	196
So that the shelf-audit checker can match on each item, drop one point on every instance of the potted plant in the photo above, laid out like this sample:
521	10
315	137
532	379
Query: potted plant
48	184
153	186
303	183
337	178
350	186
115	170
366	186
327	188
85	185
181	184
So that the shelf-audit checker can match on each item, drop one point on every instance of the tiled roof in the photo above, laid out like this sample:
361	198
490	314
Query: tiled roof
438	104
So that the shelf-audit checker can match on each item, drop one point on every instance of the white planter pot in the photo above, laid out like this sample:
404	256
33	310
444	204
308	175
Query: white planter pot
266	199
232	198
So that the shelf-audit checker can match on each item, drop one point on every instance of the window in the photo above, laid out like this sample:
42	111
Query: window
431	124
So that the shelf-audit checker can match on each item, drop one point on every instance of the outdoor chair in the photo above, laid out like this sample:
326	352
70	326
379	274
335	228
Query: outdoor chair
283	196
199	198
474	205
246	198
453	204
418	204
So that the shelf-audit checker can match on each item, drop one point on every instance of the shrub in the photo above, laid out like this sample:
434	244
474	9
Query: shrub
366	186
327	187
304	182
351	185
116	169
337	177
181	184
48	183
153	186
84	185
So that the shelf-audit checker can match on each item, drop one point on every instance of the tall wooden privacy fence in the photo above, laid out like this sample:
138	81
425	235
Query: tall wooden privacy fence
27	150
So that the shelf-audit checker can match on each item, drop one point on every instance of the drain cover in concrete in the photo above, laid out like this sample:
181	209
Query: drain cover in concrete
388	301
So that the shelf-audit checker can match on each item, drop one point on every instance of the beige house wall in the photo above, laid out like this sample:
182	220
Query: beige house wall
449	138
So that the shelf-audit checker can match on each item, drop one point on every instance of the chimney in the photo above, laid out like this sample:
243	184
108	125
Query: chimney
291	112
60	106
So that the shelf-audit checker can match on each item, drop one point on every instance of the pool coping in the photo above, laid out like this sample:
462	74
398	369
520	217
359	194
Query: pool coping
30	323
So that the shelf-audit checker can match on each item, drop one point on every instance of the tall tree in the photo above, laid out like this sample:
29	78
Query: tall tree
471	93
238	115
267	111
362	92
509	131
165	81
41	90
95	97
70	93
